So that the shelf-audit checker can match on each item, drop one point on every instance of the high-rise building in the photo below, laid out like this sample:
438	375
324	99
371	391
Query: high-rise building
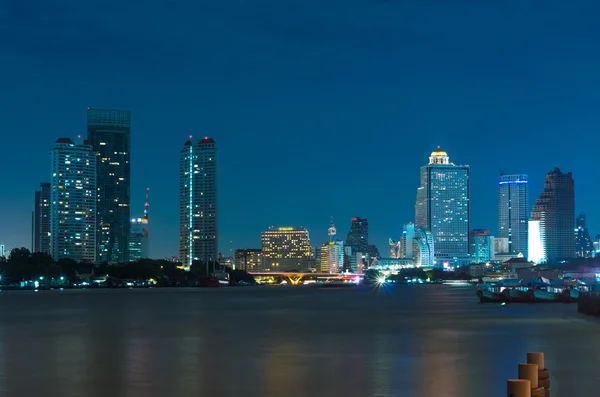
513	212
248	259
286	248
442	207
358	236
41	222
4	253
73	200
584	246
553	220
138	240
198	202
482	245
109	134
418	245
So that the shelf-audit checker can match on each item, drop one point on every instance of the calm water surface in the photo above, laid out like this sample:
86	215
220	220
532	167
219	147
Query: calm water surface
428	341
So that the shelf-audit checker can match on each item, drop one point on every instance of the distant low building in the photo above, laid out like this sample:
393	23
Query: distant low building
482	245
249	259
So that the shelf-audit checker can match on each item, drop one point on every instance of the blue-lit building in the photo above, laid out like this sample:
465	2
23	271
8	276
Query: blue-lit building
442	207
482	246
417	245
513	213
198	202
73	200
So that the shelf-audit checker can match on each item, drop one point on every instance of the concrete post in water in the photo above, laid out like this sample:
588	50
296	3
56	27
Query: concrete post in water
536	358
543	372
530	372
518	388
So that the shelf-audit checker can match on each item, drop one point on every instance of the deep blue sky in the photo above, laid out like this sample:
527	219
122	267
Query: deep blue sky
319	108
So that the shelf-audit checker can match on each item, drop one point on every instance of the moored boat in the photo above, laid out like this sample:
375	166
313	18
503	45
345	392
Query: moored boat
490	294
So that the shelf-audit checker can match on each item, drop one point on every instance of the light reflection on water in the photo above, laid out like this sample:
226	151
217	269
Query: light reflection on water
427	341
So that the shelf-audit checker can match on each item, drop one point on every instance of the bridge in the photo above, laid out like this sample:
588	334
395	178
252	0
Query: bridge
295	278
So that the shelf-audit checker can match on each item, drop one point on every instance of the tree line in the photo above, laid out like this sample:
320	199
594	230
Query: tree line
22	265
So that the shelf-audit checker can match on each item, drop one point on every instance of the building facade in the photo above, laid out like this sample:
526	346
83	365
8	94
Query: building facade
513	212
482	245
198	232
41	219
442	207
553	220
285	249
109	134
73	209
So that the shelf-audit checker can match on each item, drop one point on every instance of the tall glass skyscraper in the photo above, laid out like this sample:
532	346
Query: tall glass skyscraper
109	133
442	207
553	220
73	200
198	202
41	219
358	236
513	212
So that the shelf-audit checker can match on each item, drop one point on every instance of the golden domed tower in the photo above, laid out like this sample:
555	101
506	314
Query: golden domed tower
438	156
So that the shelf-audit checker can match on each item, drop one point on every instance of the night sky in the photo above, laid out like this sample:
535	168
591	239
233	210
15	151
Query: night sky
319	107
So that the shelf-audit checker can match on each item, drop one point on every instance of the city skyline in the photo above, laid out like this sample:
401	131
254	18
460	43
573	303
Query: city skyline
349	115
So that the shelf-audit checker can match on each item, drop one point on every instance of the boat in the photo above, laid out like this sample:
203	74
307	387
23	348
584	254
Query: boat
490	293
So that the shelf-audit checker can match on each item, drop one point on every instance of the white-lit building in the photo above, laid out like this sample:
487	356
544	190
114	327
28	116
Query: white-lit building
285	249
198	202
442	207
332	257
73	200
536	244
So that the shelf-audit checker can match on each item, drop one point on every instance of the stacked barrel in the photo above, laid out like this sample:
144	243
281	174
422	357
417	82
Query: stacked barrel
534	378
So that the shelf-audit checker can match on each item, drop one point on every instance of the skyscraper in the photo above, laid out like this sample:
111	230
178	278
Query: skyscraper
109	134
41	223
513	212
442	207
583	242
73	200
358	236
198	202
553	219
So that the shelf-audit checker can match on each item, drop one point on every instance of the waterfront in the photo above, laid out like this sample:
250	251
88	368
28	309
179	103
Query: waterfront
403	340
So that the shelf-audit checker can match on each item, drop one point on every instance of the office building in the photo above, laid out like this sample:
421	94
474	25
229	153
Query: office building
4	253
109	134
285	249
198	202
584	246
513	212
41	219
73	200
442	207
417	245
482	245
553	220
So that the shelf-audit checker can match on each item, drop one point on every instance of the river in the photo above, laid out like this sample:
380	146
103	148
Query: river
422	340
